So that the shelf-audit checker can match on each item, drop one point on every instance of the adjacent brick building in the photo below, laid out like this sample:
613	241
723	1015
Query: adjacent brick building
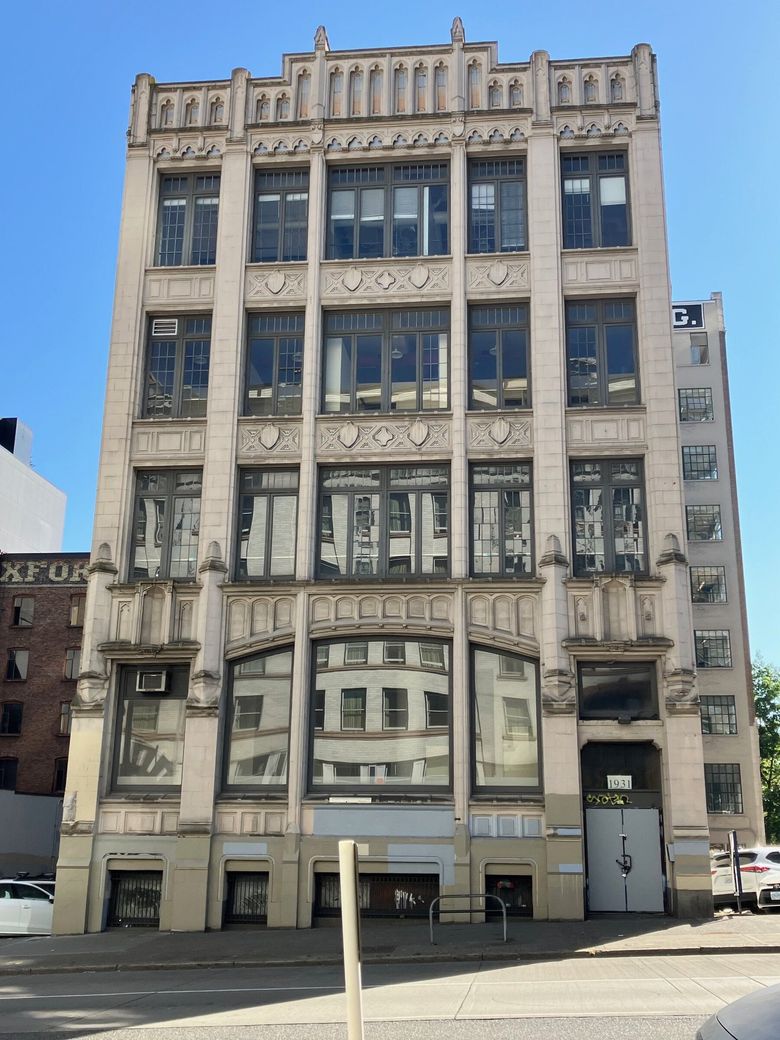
41	617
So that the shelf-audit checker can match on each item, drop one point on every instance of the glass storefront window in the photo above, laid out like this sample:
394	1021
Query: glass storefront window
259	721
506	721
150	736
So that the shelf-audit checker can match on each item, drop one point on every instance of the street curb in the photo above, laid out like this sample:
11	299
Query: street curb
7	970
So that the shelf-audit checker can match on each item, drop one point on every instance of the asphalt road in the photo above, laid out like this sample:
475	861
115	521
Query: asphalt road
582	999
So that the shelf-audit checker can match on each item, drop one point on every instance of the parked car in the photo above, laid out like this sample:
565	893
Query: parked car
759	869
26	907
754	1017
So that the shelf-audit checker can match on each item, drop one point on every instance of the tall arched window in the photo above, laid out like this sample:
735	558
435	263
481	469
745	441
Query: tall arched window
166	113
217	111
282	107
591	93
494	95
302	97
191	112
441	88
356	93
475	86
616	88
336	92
262	109
420	89
515	94
375	82
399	89
564	92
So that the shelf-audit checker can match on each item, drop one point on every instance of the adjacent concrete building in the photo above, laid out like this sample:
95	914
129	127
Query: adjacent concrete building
717	583
32	510
390	531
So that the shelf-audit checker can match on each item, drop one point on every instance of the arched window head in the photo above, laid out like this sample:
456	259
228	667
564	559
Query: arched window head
591	91
282	107
420	89
494	95
356	93
441	88
166	113
217	111
399	89
191	112
375	84
564	92
304	90
262	109
475	86
616	88
515	94
337	92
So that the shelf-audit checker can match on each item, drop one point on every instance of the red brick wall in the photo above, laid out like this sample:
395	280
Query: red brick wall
39	744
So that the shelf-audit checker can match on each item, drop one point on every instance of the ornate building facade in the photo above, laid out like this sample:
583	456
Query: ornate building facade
390	531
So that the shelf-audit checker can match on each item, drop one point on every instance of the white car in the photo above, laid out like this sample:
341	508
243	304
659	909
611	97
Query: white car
759	869
26	907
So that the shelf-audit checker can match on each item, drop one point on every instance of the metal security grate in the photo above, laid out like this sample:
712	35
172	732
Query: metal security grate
380	895
247	899
135	899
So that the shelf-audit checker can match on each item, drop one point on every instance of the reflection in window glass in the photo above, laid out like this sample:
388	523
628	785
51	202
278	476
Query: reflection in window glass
259	721
506	727
382	723
150	745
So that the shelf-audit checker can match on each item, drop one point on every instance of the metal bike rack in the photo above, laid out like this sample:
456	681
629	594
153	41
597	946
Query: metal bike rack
469	910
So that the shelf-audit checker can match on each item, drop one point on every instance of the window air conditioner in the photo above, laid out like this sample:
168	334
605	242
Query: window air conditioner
165	326
151	682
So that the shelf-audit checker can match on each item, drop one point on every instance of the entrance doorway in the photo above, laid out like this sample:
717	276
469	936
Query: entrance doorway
624	861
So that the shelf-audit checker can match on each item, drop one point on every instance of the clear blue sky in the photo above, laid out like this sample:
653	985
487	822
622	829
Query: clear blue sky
66	73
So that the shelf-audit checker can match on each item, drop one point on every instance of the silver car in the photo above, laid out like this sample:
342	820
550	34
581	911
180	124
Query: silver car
754	1017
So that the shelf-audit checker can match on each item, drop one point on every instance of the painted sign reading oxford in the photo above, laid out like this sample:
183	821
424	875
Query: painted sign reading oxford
49	571
687	316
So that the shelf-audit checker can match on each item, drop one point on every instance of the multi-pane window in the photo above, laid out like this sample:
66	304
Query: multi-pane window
718	715
386	361
703	523
713	648
187	226
700	462
274	364
601	352
258	733
65	719
76	613
23	611
388	211
72	664
708	584
177	367
150	731
11	719
497	221
166	524
16	665
618	691
595	200
609	521
505	722
699	349
723	785
267	518
696	404
501	531
381	723
8	770
281	210
384	521
498	357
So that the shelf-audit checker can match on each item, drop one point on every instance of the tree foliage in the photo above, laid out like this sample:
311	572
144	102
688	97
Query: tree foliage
766	690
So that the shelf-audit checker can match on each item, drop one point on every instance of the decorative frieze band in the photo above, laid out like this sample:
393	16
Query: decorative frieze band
609	430
250	619
276	283
382	435
345	611
504	615
378	281
499	432
270	439
178	288
167	439
598	270
496	276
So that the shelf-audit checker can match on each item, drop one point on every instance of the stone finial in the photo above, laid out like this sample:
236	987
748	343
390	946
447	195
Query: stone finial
103	553
321	42
642	55
553	553
457	32
672	552
540	60
213	560
101	560
140	109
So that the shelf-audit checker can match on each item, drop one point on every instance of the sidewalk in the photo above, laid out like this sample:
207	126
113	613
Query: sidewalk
389	941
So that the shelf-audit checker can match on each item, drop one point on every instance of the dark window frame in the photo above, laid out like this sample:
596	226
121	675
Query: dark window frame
497	172
695	526
720	718
126	691
72	655
60	777
285	331
381	325
722	782
591	168
76	610
384	490
708	584
501	320
23	611
271	494
608	484
720	638
170	494
181	347
11	716
700	462
170	187
695	404
361	179
590	713
286	184
597	391
9	773
13	665
499	489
